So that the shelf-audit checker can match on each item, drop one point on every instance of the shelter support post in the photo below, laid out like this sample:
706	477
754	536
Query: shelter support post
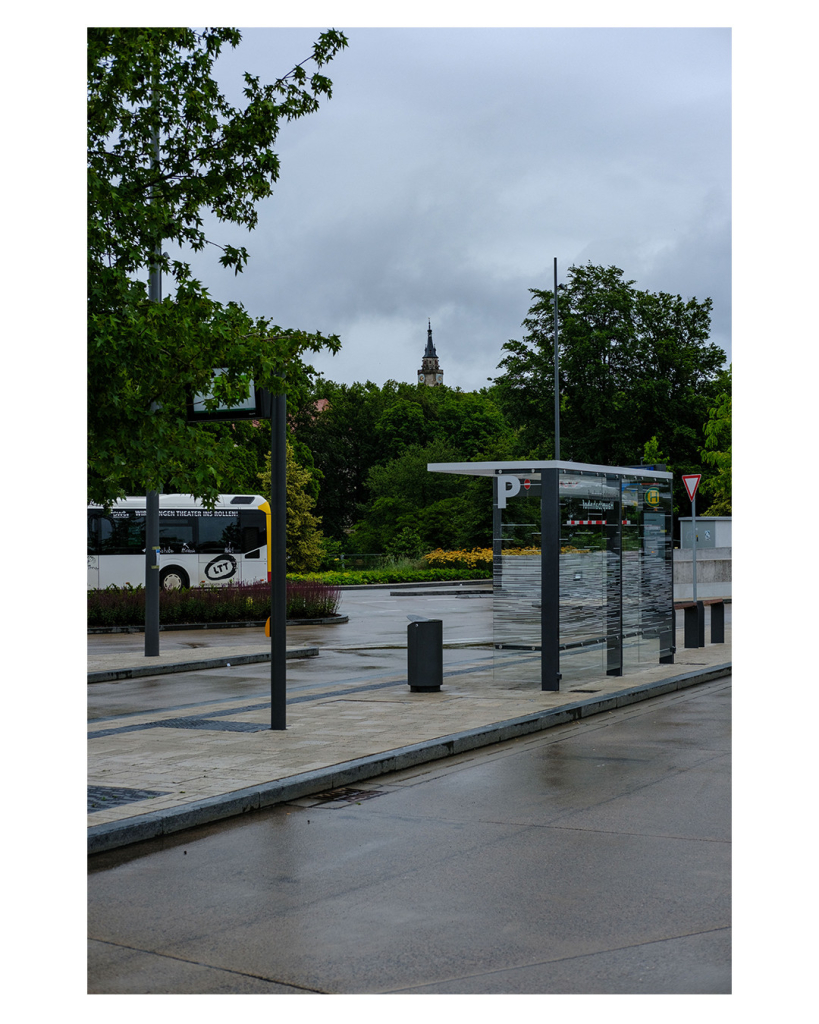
550	581
668	640
614	588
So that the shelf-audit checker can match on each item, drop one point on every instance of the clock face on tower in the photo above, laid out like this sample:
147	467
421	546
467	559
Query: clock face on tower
439	377
420	376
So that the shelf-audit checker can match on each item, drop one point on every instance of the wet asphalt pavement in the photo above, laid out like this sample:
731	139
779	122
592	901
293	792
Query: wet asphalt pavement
591	858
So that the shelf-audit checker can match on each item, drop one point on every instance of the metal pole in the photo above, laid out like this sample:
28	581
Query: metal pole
614	586
152	574
557	377
278	562
549	581
152	497
694	542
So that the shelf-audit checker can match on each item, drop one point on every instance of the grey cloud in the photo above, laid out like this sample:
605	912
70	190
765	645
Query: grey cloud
450	166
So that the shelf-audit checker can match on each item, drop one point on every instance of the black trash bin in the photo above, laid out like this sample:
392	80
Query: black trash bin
425	655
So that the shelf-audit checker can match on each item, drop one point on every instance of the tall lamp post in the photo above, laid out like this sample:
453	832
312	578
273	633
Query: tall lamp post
557	379
152	497
278	562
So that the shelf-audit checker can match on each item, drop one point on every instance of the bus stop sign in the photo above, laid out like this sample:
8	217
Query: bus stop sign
692	482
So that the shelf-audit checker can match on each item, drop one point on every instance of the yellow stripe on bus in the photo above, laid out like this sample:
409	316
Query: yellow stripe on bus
265	507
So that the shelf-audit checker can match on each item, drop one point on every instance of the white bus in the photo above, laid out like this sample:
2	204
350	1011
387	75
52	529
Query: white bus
228	544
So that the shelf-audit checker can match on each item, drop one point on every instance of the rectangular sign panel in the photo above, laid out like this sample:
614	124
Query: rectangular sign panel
253	407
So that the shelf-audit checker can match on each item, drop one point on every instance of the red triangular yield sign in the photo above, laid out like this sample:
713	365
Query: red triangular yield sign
692	482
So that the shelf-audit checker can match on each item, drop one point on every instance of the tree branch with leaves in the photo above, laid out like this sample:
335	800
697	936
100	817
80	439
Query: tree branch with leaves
716	452
145	358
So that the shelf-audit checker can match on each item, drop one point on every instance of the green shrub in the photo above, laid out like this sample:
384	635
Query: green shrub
125	606
395	574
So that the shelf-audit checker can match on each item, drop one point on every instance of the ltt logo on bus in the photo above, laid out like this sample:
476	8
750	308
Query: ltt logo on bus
221	568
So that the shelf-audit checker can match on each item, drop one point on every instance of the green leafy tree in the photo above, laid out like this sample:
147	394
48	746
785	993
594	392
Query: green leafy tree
372	446
402	425
634	365
652	456
444	510
250	441
716	452
305	542
406	544
164	146
339	426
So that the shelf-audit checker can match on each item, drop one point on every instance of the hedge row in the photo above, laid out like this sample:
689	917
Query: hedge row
125	606
395	575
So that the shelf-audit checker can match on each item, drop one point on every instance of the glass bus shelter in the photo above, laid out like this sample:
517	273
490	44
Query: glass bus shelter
582	569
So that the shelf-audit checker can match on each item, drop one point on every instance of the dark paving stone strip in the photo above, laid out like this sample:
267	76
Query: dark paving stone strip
122	728
210	723
101	797
170	707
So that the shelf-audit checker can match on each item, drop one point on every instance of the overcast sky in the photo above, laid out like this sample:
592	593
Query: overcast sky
451	166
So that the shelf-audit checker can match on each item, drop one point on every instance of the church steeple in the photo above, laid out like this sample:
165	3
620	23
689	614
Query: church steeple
430	349
430	372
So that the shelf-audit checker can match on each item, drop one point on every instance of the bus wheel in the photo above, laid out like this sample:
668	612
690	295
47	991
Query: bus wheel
173	578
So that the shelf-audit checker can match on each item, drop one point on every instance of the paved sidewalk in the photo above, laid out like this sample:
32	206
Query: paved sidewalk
186	651
159	771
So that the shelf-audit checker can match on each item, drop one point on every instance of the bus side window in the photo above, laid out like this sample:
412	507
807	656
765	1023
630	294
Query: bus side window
218	534
99	534
124	535
176	535
253	528
93	531
250	542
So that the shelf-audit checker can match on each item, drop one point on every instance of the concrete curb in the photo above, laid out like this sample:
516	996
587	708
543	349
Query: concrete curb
461	592
110	675
113	835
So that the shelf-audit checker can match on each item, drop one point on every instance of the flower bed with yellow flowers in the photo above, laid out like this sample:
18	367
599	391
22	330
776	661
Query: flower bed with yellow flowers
476	559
